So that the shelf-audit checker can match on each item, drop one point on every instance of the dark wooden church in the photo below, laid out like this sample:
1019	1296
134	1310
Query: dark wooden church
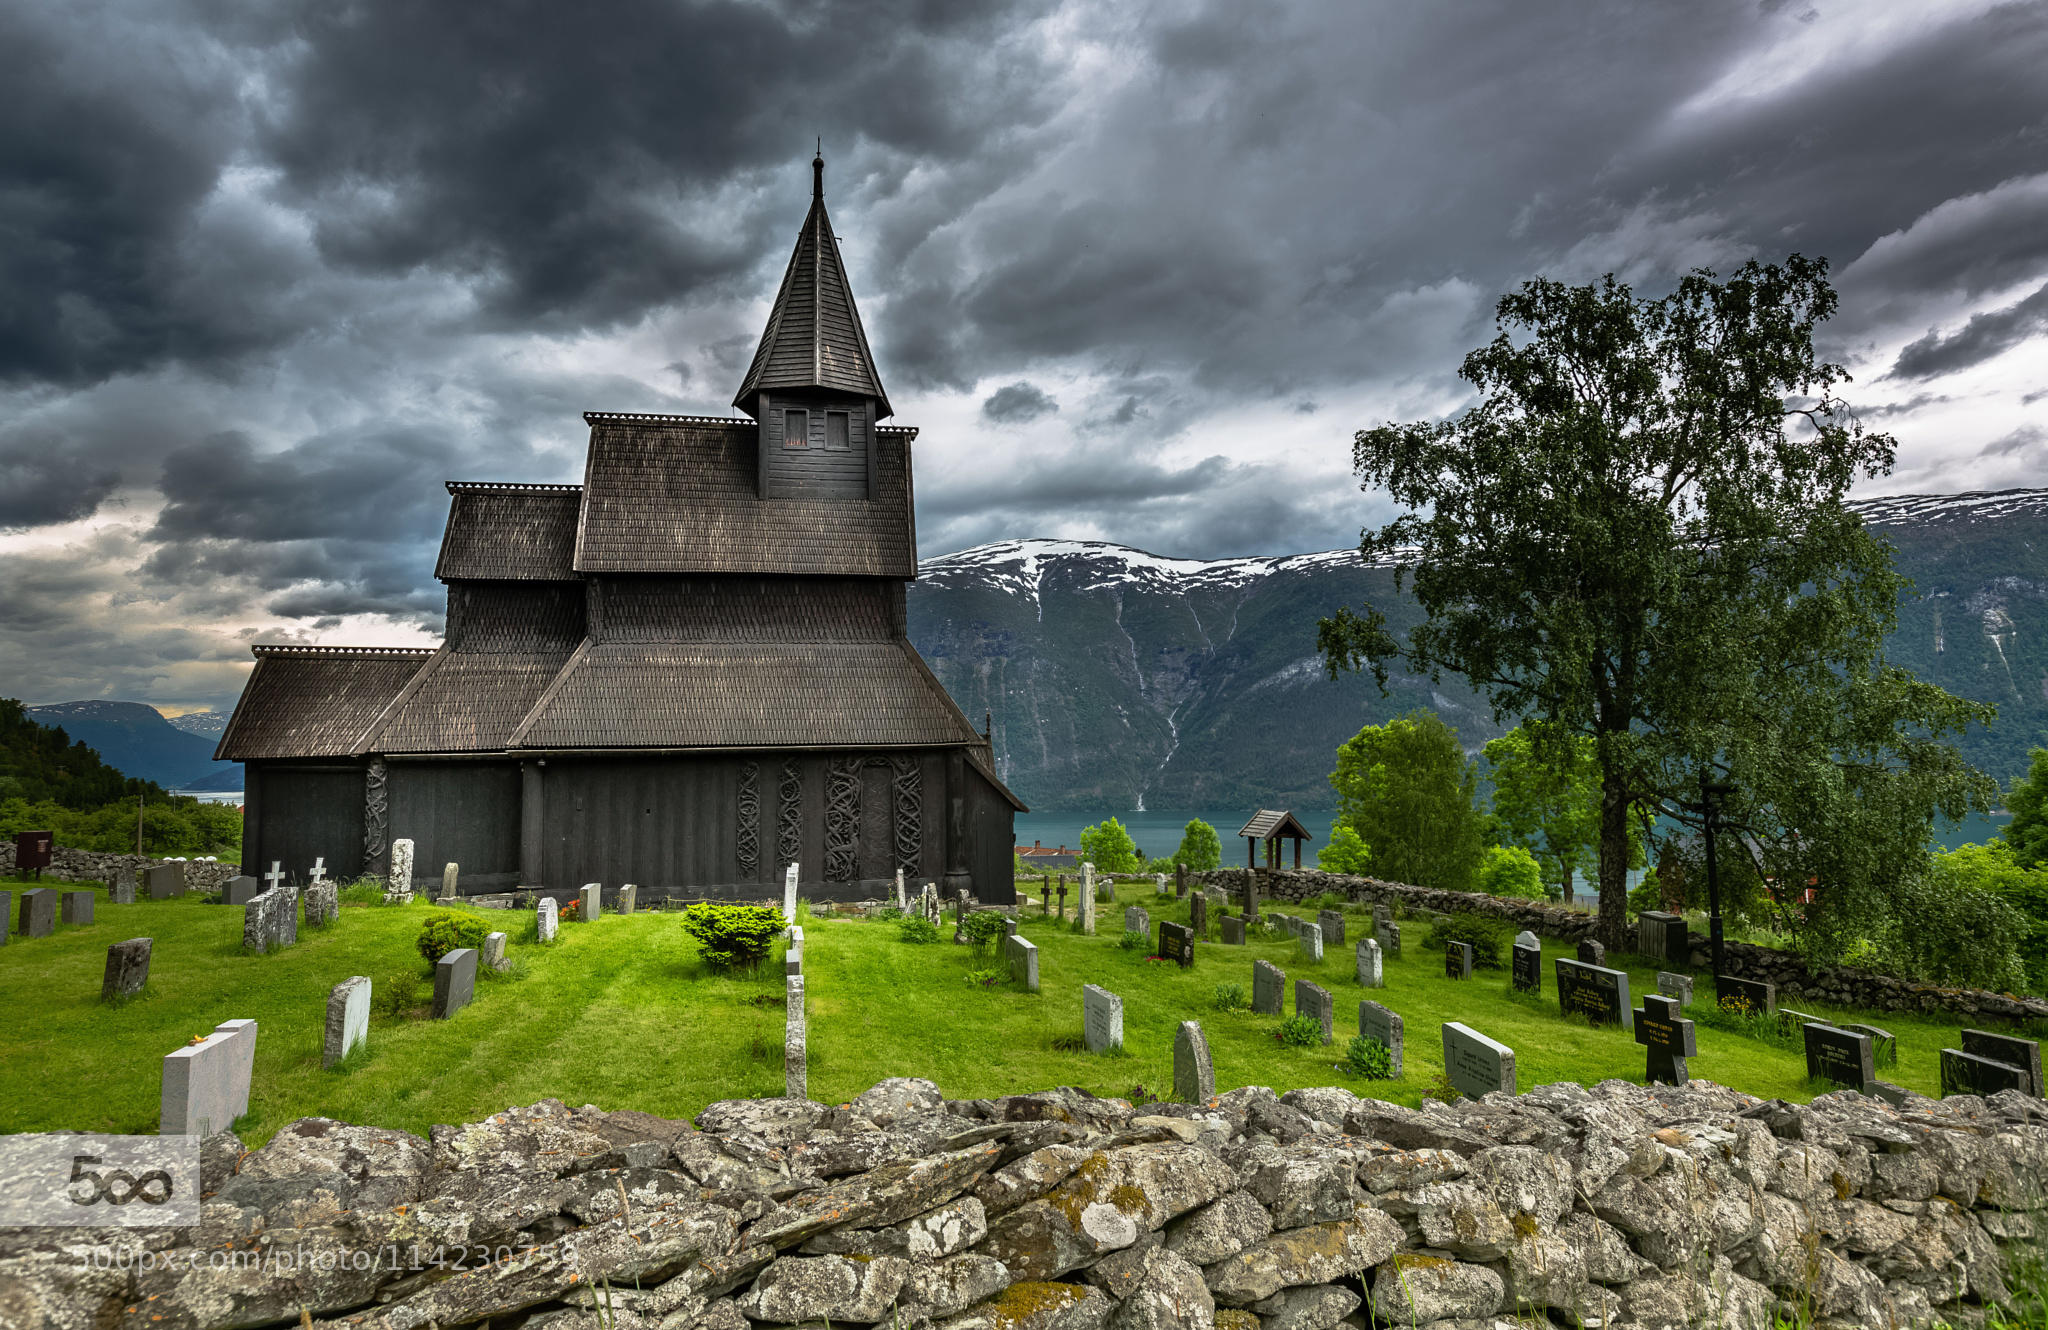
686	673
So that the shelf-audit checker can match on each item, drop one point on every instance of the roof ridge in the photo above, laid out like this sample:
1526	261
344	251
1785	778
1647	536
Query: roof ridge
654	418
298	649
508	487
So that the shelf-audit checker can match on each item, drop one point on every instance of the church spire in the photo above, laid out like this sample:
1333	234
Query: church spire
814	337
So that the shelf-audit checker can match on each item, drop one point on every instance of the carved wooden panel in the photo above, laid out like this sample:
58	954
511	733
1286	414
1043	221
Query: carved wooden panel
749	836
842	818
909	790
376	814
789	821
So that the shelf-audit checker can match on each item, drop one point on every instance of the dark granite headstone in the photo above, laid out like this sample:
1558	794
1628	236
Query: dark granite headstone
1458	960
1595	992
38	912
1315	1000
1528	971
127	969
1970	1073
1592	952
1760	996
454	982
121	891
240	890
1662	936
1837	1055
2022	1053
1198	914
1269	988
1667	1037
164	881
75	907
1390	939
1884	1045
1177	943
1251	896
1382	1025
1180	882
1233	930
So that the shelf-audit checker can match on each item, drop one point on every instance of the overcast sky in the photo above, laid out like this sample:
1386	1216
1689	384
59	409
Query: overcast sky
270	273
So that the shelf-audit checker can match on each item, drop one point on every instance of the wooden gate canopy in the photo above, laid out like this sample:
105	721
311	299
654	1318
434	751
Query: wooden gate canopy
1272	825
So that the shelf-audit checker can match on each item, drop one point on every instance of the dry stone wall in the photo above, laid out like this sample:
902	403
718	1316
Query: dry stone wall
71	865
1619	1206
1845	986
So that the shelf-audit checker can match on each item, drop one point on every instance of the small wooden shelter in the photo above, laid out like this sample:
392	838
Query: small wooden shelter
1272	825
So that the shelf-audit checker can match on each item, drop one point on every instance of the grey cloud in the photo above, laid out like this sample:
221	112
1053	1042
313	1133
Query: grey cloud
1018	403
2028	440
1986	335
39	485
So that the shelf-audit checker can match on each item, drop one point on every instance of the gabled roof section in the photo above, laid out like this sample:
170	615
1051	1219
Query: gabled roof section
814	338
1270	822
515	533
315	701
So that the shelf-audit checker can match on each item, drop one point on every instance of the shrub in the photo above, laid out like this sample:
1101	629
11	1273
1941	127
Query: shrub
1369	1058
1231	997
1300	1031
983	928
916	928
1487	936
1136	941
1510	870
733	937
984	978
446	931
393	995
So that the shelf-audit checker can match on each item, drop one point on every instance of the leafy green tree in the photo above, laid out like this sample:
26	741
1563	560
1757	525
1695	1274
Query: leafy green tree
1546	797
1345	853
1109	847
2027	833
1200	847
1509	870
1638	535
1995	867
1406	788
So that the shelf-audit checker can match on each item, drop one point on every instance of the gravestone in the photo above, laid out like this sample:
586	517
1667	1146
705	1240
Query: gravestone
1309	942
1972	1073
1198	914
275	877
1592	952
1371	972
1251	896
1194	1075
323	904
1177	943
902	901
398	888
1137	921
1022	953
960	917
2022	1053
1595	992
319	873
1788	1017
793	954
1269	988
1758	995
796	1067
454	982
122	890
547	919
1009	927
38	912
1667	1039
1837	1055
1677	987
1063	901
1102	1018
1662	936
348	1019
127	969
164	881
1382	1025
206	1084
451	875
592	898
1088	899
240	890
1389	935
1527	975
261	930
1884	1045
1233	930
1332	924
1180	881
1314	1000
75	907
494	951
629	898
789	894
1475	1064
1159	884
1458	960
6	916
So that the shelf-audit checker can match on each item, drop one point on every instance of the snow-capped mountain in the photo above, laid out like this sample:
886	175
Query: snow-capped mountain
138	740
1115	677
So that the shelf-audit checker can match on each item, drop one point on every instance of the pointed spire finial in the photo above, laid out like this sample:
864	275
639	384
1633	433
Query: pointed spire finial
818	172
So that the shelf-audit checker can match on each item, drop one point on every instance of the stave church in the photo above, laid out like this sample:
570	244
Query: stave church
687	672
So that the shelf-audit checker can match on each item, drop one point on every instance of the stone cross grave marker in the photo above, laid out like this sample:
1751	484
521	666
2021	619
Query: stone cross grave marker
1527	957
319	873
1662	936
1759	996
1137	920
1389	935
1233	930
1382	1025
1308	940
122	889
494	952
127	969
1675	986
323	904
1477	1065
1315	1000
1667	1040
1595	992
1592	952
1177	944
796	1064
240	890
1458	960
789	894
165	880
1837	1055
275	877
1022	954
1269	988
793	953
454	982
592	899
206	1084
1063	900
398	889
1332	924
1194	1075
348	1019
1371	972
1088	899
2022	1053
629	898
1102	1018
75	907
451	875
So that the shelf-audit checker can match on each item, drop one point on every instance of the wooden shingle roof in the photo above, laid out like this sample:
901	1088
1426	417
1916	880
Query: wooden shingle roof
505	645
314	701
510	532
680	494
1270	822
814	338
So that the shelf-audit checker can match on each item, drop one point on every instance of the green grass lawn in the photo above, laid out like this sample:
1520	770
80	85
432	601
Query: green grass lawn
621	1013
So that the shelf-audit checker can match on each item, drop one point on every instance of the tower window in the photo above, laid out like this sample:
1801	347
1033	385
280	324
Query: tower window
835	430
796	429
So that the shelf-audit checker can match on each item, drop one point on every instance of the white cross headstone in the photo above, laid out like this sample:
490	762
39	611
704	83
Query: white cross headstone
275	877
789	895
319	873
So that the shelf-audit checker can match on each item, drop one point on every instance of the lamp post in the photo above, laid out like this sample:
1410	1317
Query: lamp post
1712	792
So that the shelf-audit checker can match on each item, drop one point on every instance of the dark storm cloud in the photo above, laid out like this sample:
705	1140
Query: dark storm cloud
1986	335
1018	403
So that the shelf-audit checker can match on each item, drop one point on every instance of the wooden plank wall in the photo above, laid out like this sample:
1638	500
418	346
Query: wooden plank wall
816	472
459	812
305	813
